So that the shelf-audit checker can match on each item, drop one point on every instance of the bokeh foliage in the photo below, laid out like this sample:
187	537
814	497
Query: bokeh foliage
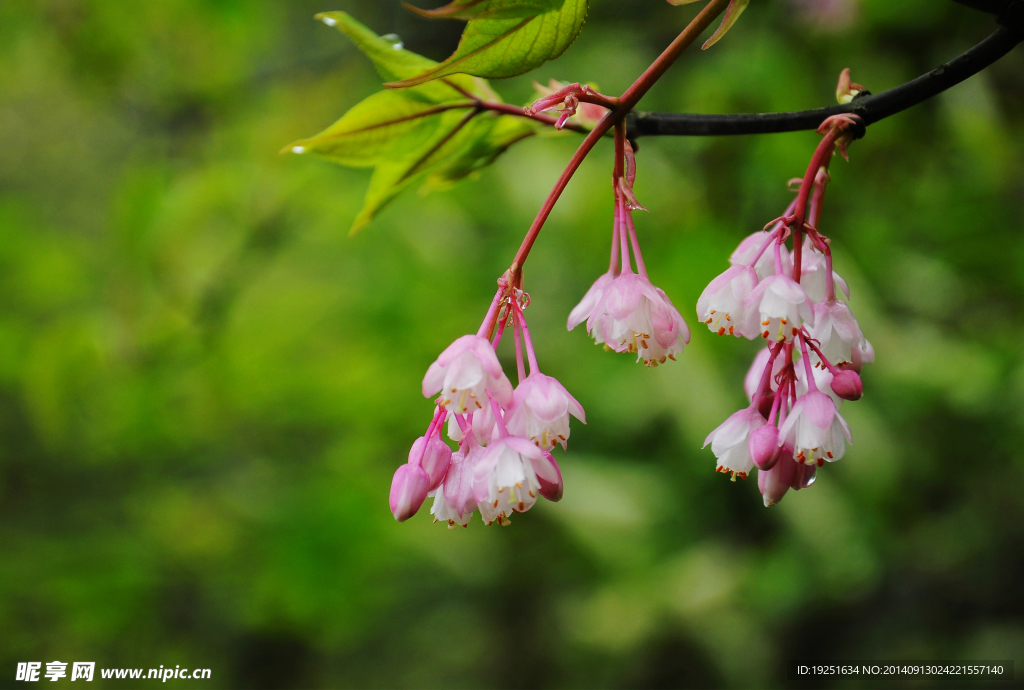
205	385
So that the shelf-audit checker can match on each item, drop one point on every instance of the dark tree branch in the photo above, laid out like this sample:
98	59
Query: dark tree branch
871	108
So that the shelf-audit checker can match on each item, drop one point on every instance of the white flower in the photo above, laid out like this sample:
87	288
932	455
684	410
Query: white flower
730	442
812	273
721	305
510	476
465	373
582	311
635	316
836	331
815	429
540	411
453	500
776	309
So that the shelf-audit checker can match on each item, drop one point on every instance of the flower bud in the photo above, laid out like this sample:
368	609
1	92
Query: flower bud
436	458
847	385
774	483
408	491
764	446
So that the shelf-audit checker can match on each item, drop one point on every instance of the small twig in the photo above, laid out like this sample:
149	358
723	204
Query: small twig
871	108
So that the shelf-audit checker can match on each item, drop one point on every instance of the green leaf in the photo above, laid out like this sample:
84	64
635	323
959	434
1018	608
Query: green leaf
495	48
384	125
393	62
491	9
458	148
429	133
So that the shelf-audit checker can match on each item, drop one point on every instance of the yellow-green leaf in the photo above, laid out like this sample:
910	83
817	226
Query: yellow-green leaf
387	124
494	48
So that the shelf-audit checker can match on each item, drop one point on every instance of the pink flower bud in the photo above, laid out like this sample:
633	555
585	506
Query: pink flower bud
764	446
847	385
774	483
436	458
408	491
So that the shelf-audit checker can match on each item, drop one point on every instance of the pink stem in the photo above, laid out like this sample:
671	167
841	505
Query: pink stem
499	420
811	385
613	264
779	395
767	242
778	255
636	244
516	328
529	341
824	360
497	336
619	212
492	312
765	377
822	156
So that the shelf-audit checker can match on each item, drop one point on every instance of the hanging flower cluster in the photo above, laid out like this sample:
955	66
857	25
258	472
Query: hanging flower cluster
505	436
814	347
623	310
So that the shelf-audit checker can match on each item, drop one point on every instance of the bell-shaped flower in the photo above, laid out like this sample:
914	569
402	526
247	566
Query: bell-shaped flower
776	309
433	456
836	331
453	500
409	488
812	273
863	354
465	374
721	304
635	316
765	264
510	476
582	311
540	411
730	442
815	429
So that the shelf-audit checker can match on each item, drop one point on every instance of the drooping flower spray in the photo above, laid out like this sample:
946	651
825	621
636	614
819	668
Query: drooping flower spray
814	346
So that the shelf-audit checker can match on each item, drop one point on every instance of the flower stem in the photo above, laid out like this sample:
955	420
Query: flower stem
626	103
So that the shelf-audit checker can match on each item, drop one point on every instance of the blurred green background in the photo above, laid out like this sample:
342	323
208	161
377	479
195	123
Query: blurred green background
205	386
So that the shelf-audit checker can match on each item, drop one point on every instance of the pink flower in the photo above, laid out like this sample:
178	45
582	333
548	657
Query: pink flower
813	268
540	411
510	476
635	316
776	309
582	311
465	374
730	442
721	305
453	500
765	265
836	331
863	354
815	429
